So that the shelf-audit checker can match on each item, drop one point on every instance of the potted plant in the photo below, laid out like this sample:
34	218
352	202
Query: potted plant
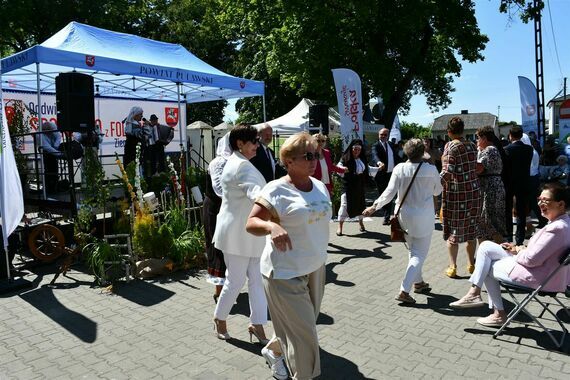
103	260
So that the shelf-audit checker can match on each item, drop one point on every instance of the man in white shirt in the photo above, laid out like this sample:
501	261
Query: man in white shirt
384	156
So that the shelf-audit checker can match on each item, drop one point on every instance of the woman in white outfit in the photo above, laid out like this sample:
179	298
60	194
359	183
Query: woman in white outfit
241	184
416	215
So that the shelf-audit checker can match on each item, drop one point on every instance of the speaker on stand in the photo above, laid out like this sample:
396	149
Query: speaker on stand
319	119
75	102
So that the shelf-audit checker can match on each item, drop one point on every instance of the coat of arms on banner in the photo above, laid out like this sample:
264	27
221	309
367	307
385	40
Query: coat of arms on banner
90	60
171	116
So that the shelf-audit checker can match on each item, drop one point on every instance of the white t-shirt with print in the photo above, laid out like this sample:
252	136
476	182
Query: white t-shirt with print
306	217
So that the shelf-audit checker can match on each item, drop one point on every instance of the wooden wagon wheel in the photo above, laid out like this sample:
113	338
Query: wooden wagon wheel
46	242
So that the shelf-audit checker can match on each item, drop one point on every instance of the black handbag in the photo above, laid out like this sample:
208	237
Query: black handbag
397	234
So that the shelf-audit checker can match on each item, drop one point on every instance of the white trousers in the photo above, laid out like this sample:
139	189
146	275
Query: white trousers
343	209
492	264
419	248
238	269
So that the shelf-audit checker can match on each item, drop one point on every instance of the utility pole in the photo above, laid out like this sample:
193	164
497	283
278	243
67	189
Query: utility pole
539	71
498	114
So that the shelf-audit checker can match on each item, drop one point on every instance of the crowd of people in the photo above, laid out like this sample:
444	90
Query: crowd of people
268	223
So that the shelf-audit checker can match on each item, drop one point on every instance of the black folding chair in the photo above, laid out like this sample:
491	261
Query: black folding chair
534	294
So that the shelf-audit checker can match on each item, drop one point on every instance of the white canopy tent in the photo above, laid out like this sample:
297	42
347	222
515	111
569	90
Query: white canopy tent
297	120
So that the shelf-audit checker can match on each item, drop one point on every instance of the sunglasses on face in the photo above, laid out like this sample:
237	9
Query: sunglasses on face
310	156
255	140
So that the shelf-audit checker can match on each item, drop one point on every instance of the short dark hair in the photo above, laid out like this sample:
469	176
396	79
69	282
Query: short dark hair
153	117
516	132
243	132
456	125
559	192
487	132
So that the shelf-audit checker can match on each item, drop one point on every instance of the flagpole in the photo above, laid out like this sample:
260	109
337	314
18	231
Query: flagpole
4	231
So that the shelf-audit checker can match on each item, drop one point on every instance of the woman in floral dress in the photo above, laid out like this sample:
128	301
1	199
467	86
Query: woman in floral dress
460	197
492	221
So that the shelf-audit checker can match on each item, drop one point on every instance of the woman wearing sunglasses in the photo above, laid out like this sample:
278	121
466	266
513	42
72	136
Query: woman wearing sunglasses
528	265
294	213
325	167
353	200
241	183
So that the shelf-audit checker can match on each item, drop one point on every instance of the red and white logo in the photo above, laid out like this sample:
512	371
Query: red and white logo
530	109
90	60
10	113
171	116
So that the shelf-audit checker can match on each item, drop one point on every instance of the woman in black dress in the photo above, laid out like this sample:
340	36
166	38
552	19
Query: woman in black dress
353	201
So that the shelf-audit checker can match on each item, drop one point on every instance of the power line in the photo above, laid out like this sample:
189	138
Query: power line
554	38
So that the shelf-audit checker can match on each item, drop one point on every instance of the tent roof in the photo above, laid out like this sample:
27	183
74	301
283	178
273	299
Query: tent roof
199	125
123	65
223	126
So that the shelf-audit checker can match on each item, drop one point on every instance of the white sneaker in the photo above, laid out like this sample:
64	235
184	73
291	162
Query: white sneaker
277	364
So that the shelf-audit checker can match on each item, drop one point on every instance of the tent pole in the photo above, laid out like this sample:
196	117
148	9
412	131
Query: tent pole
182	150
41	130
4	238
264	115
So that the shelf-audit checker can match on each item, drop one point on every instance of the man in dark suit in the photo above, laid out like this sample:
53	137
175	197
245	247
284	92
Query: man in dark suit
264	159
384	156
519	157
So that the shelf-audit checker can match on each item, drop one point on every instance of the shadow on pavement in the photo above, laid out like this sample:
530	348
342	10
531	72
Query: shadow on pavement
337	367
142	292
349	254
540	337
44	300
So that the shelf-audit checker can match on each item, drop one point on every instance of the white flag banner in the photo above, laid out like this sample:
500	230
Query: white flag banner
349	96
395	133
11	197
529	106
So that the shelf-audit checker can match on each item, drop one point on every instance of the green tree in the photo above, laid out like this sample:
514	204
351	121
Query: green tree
398	47
409	130
526	9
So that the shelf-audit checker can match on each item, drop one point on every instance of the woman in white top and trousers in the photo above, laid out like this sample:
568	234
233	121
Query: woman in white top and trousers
241	185
416	215
294	212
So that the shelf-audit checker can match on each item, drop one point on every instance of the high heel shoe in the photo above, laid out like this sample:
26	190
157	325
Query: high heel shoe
253	331
216	296
219	335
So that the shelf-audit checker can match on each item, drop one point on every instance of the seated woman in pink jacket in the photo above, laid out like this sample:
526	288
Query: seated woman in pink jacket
528	266
325	166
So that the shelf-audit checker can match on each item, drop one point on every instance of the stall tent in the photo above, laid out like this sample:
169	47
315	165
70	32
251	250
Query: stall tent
123	66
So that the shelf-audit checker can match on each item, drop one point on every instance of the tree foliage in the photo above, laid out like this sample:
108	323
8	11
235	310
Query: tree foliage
399	48
526	9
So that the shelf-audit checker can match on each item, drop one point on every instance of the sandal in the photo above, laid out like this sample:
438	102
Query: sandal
470	268
405	298
422	287
362	229
339	233
451	271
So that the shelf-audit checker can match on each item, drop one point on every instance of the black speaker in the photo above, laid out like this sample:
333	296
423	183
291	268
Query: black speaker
319	118
75	102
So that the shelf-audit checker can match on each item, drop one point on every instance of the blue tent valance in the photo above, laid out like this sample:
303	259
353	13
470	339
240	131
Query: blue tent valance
124	66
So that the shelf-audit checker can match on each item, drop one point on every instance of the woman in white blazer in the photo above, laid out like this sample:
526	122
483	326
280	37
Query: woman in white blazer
241	184
416	215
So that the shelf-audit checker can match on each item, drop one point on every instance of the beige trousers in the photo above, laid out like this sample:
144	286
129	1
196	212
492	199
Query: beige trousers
294	305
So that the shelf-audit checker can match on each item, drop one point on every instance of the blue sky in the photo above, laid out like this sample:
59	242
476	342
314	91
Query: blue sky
485	85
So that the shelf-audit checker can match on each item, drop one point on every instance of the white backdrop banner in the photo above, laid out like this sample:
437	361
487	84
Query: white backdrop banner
529	106
109	114
349	96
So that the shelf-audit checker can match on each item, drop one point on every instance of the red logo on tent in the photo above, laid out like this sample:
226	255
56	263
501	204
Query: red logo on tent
530	110
90	60
171	116
242	84
10	113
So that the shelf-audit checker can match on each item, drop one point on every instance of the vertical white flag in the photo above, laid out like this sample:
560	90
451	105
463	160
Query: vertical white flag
349	96
529	105
11	198
395	132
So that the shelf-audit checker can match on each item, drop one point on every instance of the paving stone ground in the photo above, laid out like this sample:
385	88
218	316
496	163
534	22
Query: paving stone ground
162	329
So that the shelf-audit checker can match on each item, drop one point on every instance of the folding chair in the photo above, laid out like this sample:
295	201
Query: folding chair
534	294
